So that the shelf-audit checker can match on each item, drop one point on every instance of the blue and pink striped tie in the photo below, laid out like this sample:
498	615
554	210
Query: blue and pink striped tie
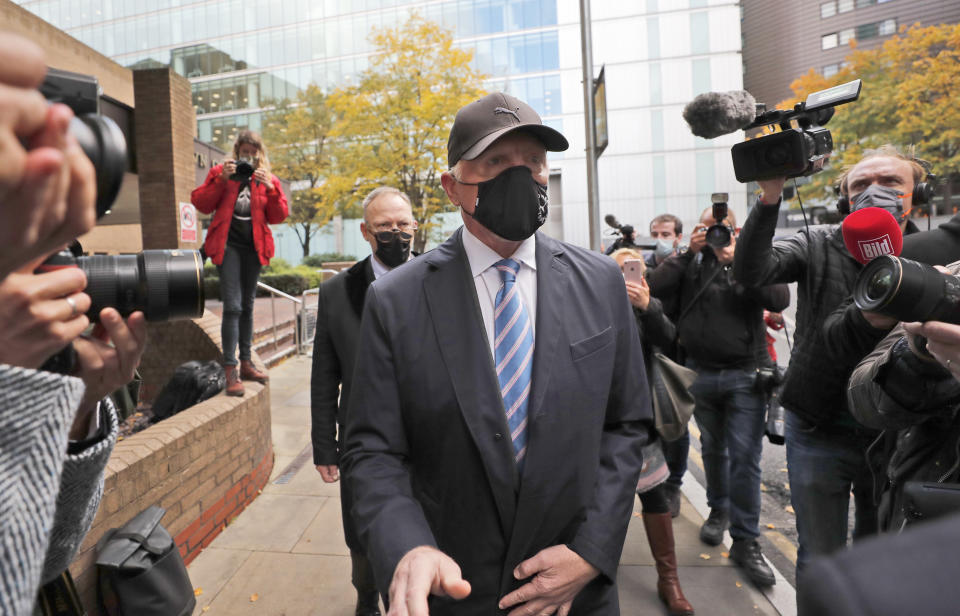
513	353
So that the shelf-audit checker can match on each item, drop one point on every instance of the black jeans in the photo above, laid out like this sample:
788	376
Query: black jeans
239	273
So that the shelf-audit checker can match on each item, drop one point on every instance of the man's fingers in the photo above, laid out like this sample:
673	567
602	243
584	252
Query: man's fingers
398	591
22	110
938	332
529	567
451	580
565	609
418	586
22	63
521	595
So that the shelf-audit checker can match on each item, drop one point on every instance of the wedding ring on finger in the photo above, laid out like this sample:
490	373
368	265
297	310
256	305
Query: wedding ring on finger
73	306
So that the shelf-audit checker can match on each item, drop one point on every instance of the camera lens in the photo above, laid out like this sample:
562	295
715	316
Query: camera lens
718	236
164	284
102	141
880	284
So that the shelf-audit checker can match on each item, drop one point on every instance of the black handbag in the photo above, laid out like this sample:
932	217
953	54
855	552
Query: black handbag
141	572
672	401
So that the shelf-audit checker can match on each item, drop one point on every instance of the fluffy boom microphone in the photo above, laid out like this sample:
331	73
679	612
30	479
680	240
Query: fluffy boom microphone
871	232
718	113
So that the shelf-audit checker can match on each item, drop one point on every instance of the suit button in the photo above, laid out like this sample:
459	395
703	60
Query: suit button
497	436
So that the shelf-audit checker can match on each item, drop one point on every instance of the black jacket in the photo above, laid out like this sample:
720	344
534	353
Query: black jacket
938	246
722	325
818	261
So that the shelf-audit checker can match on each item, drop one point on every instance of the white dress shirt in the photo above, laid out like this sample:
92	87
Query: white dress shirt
487	278
379	269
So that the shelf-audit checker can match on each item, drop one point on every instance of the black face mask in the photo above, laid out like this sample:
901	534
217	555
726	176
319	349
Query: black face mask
393	247
513	205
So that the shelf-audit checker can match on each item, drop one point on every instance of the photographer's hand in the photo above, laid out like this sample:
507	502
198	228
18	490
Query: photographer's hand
48	187
698	240
264	178
229	168
37	318
639	294
105	367
770	190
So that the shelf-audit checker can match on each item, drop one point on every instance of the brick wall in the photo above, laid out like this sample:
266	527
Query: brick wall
203	465
165	128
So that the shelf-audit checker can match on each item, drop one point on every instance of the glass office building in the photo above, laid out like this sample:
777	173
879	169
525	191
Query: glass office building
241	54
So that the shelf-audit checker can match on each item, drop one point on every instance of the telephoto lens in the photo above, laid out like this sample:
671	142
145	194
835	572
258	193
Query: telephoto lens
164	284
908	291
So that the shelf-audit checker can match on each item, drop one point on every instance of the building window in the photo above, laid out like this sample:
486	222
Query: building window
828	9
828	41
844	6
830	70
865	3
888	27
868	31
846	36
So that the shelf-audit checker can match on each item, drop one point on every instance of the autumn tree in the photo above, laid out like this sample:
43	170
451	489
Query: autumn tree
298	135
907	100
392	126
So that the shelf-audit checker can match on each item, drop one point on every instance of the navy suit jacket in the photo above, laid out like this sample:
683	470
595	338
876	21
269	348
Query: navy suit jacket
427	449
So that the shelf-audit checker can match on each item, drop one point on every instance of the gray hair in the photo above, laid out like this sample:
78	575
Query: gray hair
383	190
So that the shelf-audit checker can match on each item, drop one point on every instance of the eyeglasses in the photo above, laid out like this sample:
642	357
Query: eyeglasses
386	236
390	226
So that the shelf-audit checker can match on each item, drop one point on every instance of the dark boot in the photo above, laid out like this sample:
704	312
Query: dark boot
659	528
249	372
368	599
234	384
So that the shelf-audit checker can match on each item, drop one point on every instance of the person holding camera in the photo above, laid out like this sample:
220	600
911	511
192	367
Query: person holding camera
825	445
721	329
657	332
56	431
244	198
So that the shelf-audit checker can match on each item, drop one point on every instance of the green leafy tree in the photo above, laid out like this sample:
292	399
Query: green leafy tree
298	135
392	126
907	99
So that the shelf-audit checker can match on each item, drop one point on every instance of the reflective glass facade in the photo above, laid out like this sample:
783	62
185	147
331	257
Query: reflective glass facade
242	54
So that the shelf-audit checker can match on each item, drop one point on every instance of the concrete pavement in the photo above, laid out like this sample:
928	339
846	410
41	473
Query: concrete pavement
285	554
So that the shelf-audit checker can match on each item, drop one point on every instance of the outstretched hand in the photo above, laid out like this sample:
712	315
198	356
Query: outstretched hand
424	571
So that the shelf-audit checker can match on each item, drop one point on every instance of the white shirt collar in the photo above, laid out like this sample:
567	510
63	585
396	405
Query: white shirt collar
481	257
379	269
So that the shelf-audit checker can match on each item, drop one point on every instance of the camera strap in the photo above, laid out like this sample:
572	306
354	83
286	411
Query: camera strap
699	293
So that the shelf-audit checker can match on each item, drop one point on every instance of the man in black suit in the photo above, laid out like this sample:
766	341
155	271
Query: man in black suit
491	474
388	225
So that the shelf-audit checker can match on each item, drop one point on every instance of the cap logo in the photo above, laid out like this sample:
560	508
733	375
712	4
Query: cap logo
505	110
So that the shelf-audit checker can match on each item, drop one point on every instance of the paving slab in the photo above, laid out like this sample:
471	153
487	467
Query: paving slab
273	523
325	533
273	584
306	482
712	591
211	571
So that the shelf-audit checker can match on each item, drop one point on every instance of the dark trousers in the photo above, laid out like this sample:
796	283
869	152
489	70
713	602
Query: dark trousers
239	274
676	452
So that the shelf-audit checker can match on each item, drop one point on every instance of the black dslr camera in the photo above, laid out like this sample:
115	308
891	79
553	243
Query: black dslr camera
792	152
719	234
245	169
164	284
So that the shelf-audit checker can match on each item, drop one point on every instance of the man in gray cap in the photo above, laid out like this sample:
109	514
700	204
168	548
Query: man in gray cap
494	446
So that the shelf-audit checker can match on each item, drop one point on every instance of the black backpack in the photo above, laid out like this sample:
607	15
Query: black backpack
191	383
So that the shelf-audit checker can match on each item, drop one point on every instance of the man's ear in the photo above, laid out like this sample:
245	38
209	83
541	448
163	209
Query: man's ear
363	229
449	186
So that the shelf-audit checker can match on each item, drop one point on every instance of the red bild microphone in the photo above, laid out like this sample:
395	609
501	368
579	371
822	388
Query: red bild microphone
871	232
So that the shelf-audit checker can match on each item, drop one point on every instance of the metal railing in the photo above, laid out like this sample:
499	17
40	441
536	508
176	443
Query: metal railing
304	311
274	293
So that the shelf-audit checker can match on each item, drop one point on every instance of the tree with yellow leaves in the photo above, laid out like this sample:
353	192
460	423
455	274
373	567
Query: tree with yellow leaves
299	136
392	126
907	100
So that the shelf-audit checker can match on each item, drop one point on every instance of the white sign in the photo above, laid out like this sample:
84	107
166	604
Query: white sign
188	222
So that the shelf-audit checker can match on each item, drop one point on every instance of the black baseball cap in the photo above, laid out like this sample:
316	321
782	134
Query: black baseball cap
484	121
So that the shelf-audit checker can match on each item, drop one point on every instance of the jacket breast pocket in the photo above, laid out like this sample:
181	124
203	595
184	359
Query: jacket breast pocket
588	346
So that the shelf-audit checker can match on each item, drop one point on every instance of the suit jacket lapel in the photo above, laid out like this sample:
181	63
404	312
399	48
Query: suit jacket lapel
551	293
452	300
358	278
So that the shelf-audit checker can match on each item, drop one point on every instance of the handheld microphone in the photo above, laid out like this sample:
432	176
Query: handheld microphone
713	114
871	232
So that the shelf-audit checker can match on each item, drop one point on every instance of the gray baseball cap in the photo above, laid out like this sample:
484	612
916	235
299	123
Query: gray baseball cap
483	121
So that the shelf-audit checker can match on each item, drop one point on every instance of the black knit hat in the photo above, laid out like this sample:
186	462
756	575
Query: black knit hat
484	121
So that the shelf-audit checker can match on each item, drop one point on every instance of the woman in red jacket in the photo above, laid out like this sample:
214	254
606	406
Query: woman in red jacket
244	198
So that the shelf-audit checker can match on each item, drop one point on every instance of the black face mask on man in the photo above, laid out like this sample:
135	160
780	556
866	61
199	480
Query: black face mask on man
884	197
513	205
393	247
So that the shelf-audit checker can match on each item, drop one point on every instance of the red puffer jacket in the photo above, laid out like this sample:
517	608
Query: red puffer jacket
218	196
